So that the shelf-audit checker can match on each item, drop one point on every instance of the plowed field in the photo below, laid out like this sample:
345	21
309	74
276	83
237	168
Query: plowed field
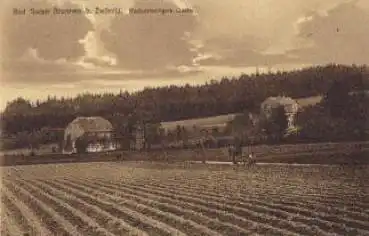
148	199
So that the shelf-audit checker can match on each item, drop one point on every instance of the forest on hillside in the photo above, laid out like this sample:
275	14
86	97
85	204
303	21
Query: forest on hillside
153	105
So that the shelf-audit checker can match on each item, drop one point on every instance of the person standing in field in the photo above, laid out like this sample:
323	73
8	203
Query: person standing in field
231	153
235	150
238	149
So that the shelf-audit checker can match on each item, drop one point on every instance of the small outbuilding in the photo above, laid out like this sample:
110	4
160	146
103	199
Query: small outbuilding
96	134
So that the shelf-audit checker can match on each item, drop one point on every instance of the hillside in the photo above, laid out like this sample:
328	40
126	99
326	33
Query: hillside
200	122
24	122
171	103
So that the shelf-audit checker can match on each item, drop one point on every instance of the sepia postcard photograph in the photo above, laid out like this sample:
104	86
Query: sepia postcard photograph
184	117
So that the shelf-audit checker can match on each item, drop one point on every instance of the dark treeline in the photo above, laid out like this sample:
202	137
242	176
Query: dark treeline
229	95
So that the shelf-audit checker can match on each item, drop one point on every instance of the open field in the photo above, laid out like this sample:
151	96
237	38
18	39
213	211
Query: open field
330	157
200	122
132	198
315	153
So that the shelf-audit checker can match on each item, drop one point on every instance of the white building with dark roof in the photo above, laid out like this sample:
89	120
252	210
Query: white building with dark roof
290	106
96	131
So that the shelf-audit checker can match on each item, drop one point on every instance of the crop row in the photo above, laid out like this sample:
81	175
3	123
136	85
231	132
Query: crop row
177	206
282	214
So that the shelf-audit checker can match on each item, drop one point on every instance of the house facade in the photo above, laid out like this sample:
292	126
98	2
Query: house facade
290	106
95	132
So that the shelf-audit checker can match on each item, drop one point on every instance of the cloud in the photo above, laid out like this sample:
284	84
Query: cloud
31	69
54	36
149	41
341	35
238	52
222	38
38	49
305	32
95	55
247	58
241	34
245	33
31	63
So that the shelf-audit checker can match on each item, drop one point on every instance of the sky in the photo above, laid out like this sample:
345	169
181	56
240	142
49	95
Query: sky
64	55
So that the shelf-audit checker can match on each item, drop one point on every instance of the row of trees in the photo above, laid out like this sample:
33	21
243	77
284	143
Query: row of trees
229	95
342	115
331	120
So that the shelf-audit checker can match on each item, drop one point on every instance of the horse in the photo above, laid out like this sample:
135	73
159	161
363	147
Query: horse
250	160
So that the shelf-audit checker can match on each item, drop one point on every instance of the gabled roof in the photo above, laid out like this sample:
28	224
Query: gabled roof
272	102
93	124
279	100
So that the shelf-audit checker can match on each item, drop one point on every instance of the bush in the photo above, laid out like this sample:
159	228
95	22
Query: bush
81	145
